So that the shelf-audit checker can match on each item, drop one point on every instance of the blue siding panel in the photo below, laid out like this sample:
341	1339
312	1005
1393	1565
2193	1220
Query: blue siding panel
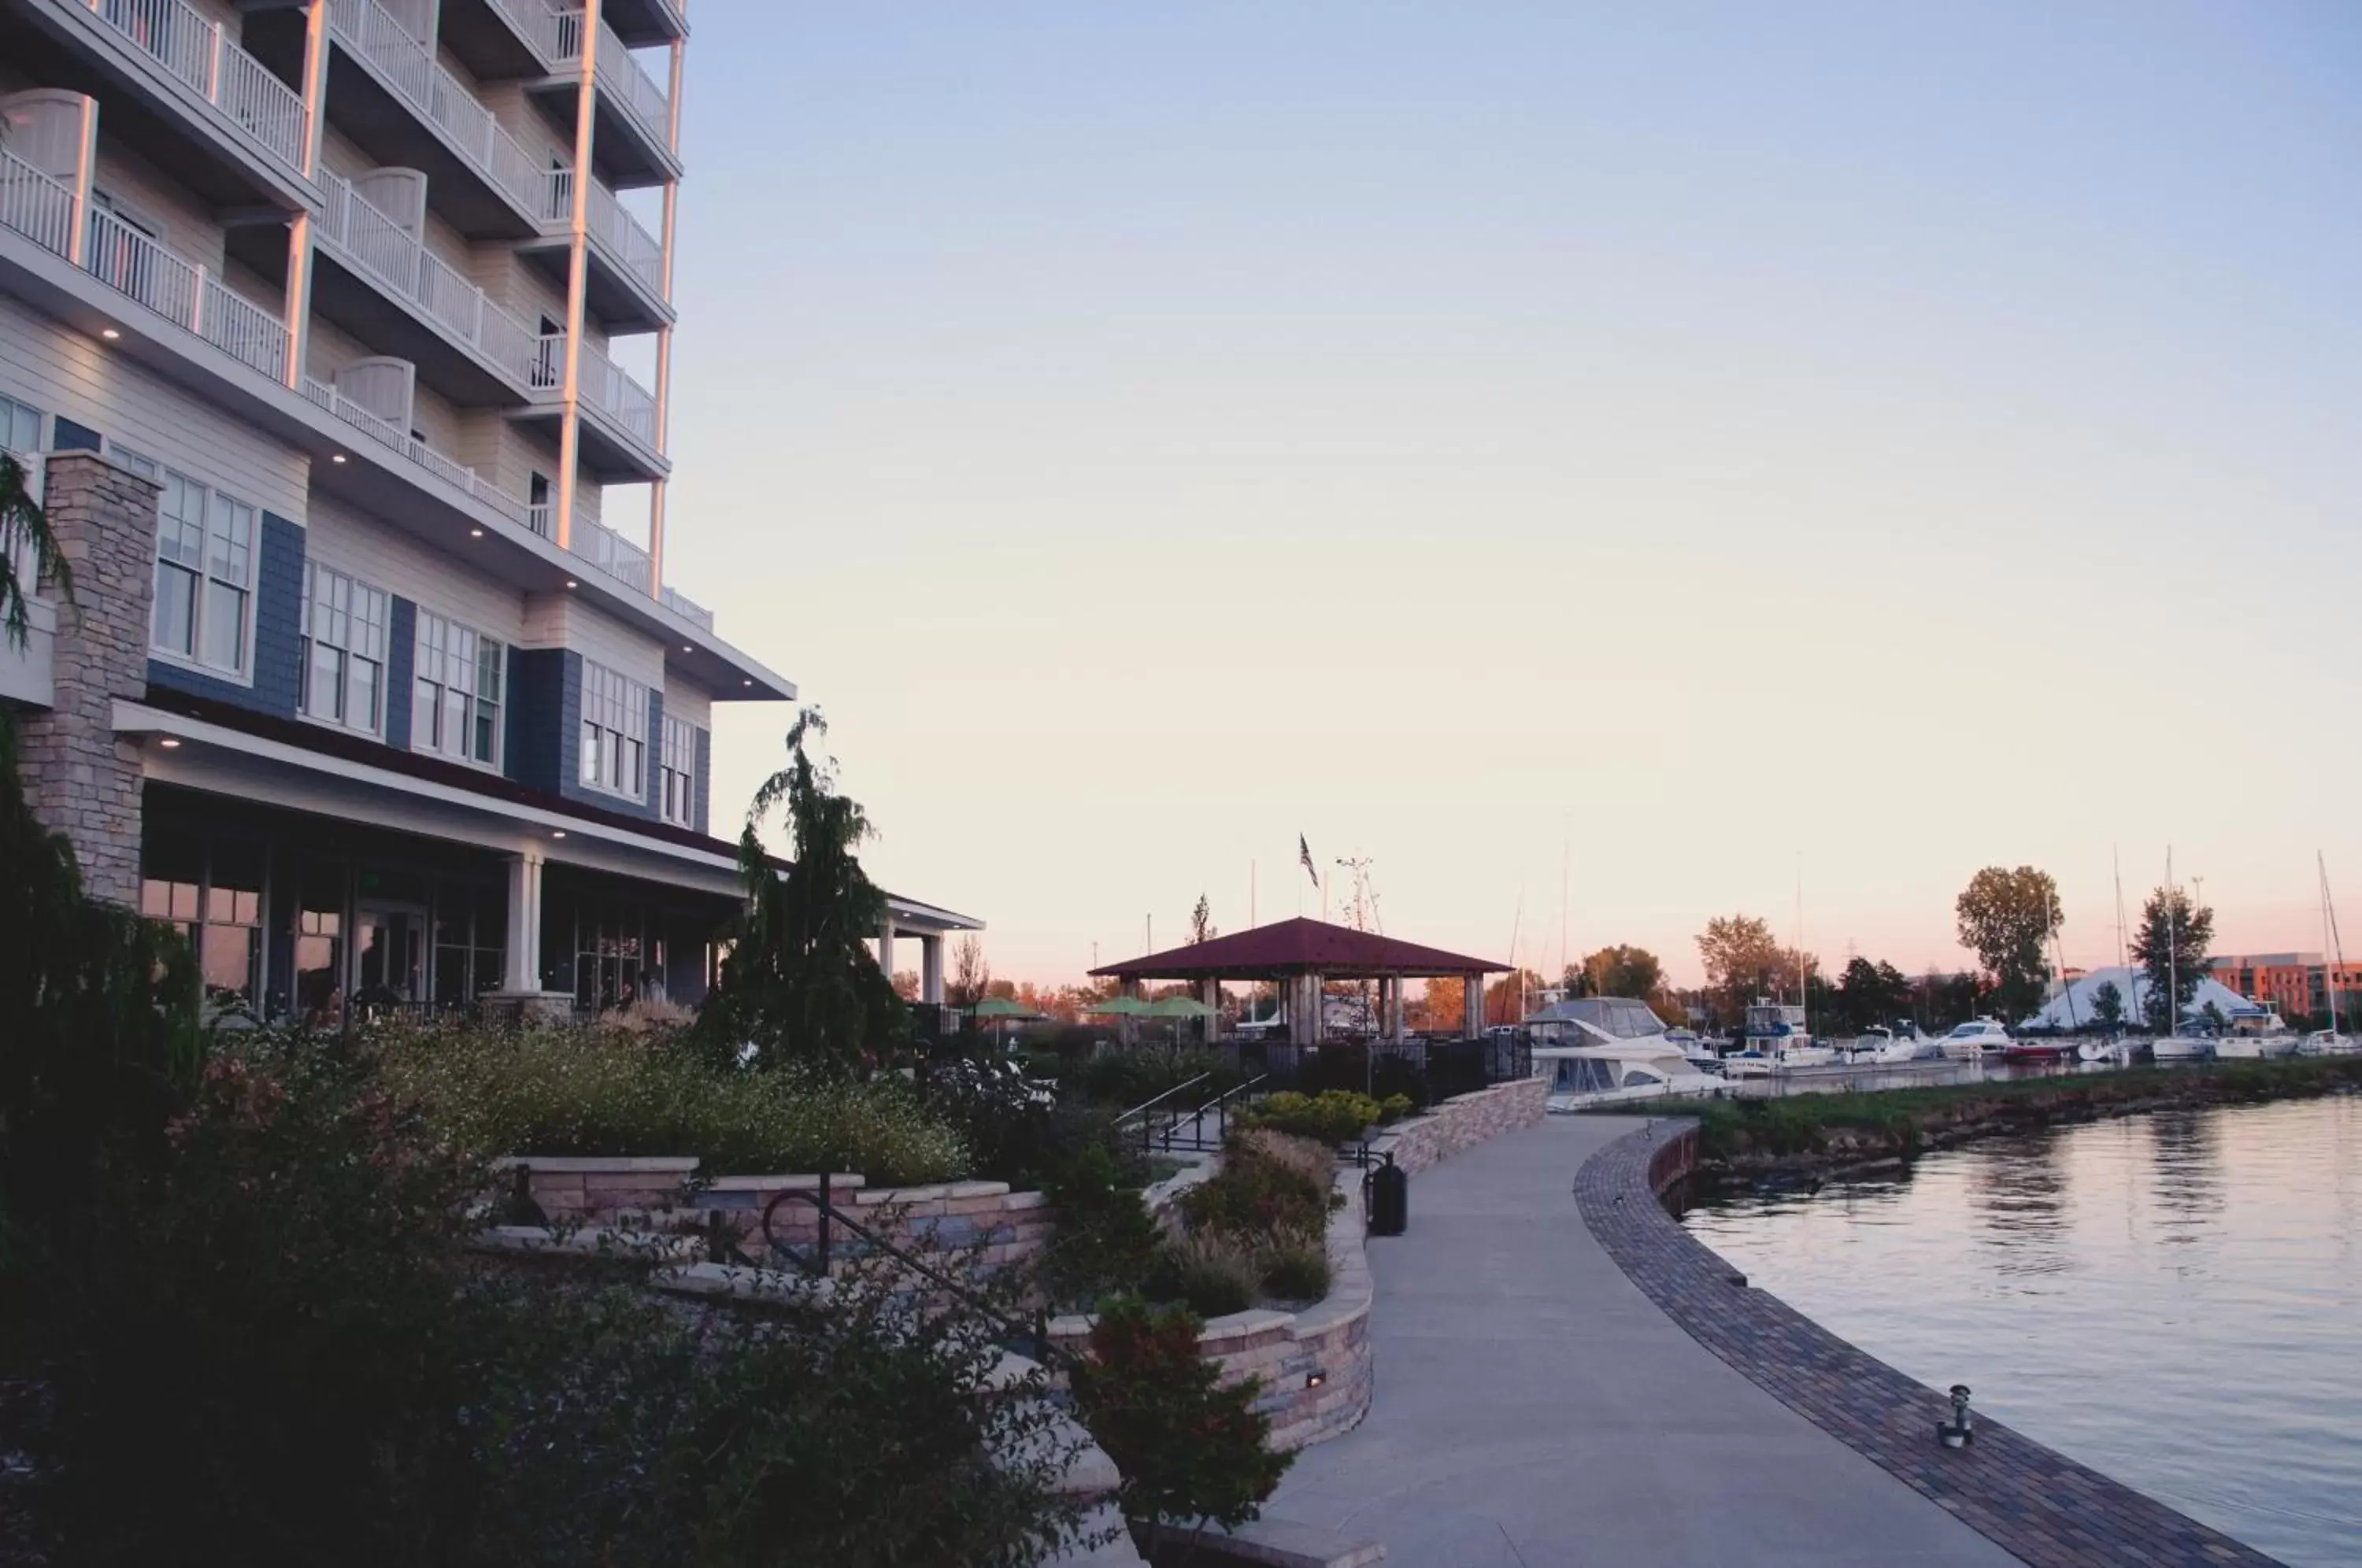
401	632
278	632
702	822
544	713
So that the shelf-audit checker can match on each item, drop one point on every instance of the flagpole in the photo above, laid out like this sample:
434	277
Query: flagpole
1250	894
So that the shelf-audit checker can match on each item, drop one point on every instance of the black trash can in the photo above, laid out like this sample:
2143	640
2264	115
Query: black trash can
1389	1198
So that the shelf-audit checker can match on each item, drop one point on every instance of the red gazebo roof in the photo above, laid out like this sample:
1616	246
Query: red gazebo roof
1300	946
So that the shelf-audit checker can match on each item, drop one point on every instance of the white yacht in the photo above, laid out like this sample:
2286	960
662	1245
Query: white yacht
2182	1048
1886	1046
1978	1037
2256	1034
2328	1043
1604	1050
1776	1040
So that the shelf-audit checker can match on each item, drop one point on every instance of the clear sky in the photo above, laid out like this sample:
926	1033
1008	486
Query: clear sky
1692	445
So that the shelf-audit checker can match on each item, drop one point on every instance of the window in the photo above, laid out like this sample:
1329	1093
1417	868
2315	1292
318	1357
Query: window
456	709
204	574
614	732
678	772
215	901
21	428
344	650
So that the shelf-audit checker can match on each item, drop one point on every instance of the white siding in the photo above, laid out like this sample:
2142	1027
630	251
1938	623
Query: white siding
693	704
185	225
562	621
61	371
352	541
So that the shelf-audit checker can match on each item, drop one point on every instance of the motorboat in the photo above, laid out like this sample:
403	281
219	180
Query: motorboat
1585	1076
1774	1039
2252	1038
2037	1050
1978	1037
2182	1048
2328	1043
1886	1047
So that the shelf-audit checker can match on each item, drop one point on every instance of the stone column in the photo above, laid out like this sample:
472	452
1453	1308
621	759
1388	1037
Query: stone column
931	970
1472	1011
82	781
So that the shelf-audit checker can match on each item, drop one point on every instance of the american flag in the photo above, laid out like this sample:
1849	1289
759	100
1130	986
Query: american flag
1304	855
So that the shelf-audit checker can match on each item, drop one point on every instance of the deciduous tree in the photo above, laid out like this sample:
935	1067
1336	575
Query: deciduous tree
2005	919
1618	971
2108	1005
1742	962
971	979
2171	946
1202	922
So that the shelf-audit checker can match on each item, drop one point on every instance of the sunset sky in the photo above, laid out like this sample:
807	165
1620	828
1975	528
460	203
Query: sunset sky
1700	447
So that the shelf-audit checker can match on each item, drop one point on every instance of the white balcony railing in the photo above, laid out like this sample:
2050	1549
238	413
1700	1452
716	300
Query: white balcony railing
192	48
185	293
629	246
612	553
688	609
34	205
395	257
630	405
621	74
536	22
387	434
439	97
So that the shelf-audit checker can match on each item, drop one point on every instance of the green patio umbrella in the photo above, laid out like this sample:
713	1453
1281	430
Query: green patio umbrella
1176	1007
1129	1007
1004	1007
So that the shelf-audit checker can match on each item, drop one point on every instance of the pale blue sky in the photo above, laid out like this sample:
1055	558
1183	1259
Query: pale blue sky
1712	438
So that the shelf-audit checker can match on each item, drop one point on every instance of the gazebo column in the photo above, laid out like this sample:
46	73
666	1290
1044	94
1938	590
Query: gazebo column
1473	1007
1394	1009
1210	992
886	949
930	969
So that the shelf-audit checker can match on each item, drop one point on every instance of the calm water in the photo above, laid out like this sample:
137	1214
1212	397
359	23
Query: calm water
2174	1299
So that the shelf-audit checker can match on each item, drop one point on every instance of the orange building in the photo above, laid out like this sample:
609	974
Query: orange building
2291	982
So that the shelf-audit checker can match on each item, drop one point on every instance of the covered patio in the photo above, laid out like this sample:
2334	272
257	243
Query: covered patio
1299	958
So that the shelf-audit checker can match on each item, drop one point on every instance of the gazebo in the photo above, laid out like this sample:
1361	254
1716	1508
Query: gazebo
1299	956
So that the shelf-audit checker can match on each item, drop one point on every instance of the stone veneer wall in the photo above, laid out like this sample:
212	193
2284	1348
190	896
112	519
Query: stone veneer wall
627	1192
84	781
1463	1120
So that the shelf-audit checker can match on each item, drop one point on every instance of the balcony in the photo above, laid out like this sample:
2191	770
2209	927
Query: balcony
626	280
688	609
502	39
179	88
610	553
400	441
389	93
402	299
622	412
184	292
634	111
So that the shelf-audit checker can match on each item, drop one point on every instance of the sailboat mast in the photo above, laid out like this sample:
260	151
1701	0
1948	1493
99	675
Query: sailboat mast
2331	959
2172	948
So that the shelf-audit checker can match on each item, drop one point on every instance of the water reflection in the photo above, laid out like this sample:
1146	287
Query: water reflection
2176	1299
2017	1194
2188	1193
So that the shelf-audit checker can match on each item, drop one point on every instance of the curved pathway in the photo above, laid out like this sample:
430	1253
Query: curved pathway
1533	1407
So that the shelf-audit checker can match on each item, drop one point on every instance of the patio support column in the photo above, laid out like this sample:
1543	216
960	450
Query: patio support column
1210	992
523	969
886	949
1473	1007
930	969
1394	1009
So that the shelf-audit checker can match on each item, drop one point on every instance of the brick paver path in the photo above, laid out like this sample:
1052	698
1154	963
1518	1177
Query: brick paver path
2042	1506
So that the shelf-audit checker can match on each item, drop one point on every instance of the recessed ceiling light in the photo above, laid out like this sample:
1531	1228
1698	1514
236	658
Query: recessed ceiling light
109	333
571	583
475	533
686	648
558	833
169	742
746	683
336	456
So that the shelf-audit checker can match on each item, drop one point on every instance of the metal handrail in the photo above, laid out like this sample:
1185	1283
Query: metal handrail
1220	1105
1150	1104
722	1248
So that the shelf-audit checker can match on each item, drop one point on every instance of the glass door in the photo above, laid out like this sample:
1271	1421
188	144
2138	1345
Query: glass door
389	957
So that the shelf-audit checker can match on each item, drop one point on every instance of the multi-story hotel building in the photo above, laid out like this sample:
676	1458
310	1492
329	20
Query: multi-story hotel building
309	326
2293	983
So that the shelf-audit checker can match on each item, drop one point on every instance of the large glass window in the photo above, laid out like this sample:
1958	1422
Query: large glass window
614	732
212	896
21	428
204	574
455	710
678	772
344	650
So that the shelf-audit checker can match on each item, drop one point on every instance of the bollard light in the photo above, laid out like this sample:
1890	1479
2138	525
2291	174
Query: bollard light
1959	1431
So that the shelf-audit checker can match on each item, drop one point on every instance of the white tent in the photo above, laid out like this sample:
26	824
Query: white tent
2077	1007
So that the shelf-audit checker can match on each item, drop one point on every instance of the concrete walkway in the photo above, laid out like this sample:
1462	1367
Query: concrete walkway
1533	1410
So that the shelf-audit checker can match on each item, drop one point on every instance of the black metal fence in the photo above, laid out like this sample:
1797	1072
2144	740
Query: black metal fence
1424	1068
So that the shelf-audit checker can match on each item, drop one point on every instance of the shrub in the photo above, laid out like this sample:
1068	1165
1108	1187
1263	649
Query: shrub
1105	1241
1394	1108
1189	1449
590	1090
1004	1118
300	1364
1215	1274
1296	1271
1129	1075
1270	1185
1332	1116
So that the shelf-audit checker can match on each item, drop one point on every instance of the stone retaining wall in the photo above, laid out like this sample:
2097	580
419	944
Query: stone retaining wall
653	1192
2039	1504
1464	1121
